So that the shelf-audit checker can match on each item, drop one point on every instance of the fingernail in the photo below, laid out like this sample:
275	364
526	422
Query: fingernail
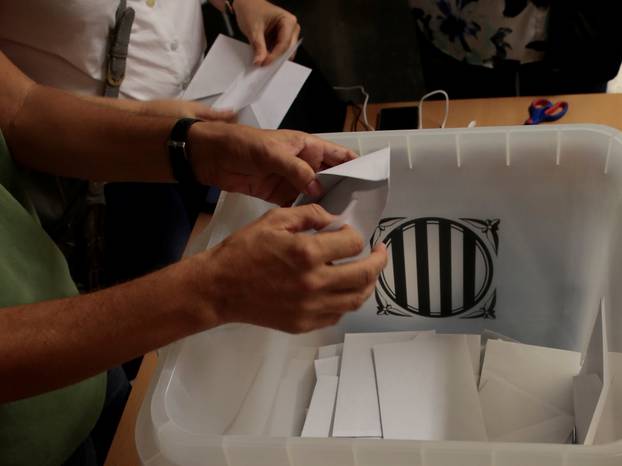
314	189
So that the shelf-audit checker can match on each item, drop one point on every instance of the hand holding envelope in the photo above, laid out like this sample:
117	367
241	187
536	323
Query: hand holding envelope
356	192
227	79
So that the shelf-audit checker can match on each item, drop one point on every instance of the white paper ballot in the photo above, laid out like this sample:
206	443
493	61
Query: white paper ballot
327	366
427	389
545	373
357	413
609	428
592	385
228	79
510	412
330	351
355	191
321	409
474	342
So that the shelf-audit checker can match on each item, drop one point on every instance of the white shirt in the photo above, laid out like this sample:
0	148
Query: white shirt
63	43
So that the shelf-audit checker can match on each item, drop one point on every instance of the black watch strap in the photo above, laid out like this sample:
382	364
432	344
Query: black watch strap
178	152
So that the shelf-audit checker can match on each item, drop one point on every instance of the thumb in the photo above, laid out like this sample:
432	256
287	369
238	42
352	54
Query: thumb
258	42
296	172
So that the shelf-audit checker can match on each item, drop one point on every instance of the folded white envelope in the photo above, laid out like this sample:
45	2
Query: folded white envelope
355	191
320	414
330	350
512	413
427	389
545	373
327	366
357	413
227	79
592	384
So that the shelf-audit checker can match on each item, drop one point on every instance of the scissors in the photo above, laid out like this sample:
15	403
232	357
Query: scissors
544	110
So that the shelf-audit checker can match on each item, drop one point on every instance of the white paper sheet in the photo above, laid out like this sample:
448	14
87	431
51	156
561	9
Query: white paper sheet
262	95
327	366
247	87
355	191
510	411
330	350
609	428
320	414
427	389
591	386
357	413
474	343
545	373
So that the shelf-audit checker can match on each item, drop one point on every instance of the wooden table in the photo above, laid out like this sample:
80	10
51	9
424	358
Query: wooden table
595	108
604	109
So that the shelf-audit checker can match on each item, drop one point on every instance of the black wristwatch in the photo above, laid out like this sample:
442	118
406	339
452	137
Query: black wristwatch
178	153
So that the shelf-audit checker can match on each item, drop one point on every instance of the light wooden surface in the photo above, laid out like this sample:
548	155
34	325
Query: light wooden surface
595	108
585	108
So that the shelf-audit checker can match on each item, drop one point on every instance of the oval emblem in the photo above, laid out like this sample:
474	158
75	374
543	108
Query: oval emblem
437	267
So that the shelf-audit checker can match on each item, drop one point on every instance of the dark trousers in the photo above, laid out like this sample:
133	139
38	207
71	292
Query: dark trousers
463	81
93	451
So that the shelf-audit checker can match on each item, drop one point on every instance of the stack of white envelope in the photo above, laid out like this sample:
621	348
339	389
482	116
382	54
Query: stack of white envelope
429	386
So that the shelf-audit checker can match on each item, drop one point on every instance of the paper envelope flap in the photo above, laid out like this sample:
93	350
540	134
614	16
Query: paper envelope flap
226	59
371	167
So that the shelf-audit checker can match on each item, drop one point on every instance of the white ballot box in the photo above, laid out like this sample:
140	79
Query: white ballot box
513	229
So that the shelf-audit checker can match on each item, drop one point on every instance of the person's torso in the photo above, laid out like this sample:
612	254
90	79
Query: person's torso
45	429
485	32
64	43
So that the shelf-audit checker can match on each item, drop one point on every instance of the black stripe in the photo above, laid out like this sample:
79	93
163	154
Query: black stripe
423	278
444	255
399	269
468	268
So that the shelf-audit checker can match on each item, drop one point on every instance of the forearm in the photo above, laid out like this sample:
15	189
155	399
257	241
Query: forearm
127	105
76	138
51	344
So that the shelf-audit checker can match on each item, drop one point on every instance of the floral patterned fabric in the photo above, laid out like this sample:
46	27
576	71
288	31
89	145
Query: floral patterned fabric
485	32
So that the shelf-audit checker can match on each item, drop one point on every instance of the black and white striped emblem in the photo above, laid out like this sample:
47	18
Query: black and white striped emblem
438	267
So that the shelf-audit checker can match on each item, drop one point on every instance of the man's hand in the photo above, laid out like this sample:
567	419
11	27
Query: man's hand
271	165
185	109
271	273
270	30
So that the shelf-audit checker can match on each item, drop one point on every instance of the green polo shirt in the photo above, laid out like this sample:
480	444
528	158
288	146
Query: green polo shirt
45	429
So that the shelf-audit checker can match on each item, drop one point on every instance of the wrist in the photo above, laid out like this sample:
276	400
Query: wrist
205	142
198	293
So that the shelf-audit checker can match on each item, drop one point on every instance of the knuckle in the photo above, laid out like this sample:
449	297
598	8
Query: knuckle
357	243
304	253
310	283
